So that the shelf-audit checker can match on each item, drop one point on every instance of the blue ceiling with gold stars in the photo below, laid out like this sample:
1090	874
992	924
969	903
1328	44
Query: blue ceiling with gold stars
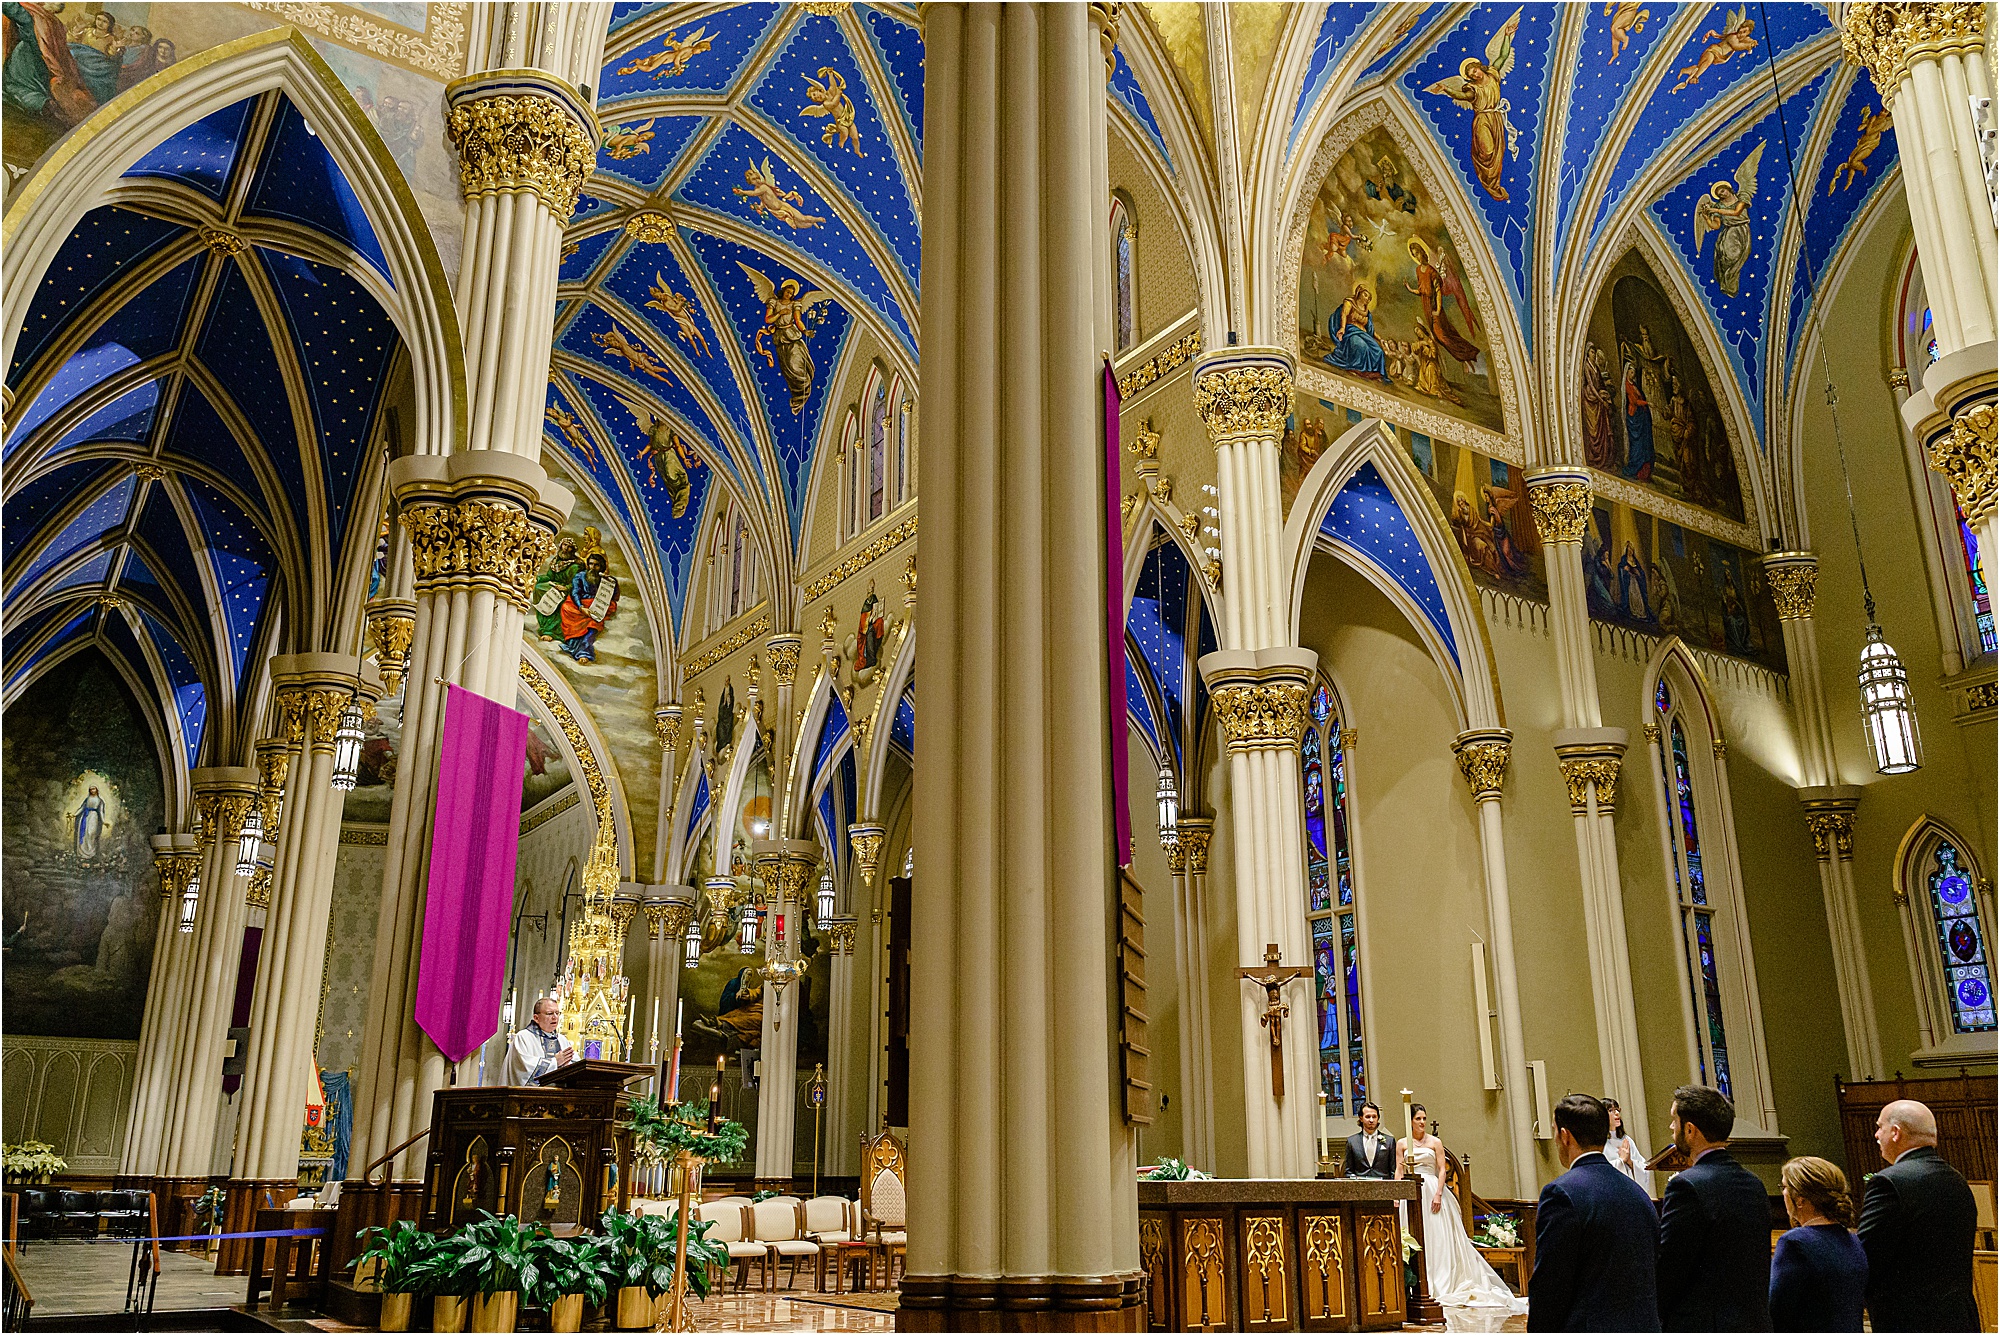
755	204
197	387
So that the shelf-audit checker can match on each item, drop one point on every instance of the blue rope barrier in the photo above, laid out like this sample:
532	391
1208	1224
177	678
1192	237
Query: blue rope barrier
270	1233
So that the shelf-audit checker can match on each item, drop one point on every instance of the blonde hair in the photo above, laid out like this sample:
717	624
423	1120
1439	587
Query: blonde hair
1815	1182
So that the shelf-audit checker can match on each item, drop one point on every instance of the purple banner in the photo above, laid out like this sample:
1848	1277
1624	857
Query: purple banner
1114	613
475	836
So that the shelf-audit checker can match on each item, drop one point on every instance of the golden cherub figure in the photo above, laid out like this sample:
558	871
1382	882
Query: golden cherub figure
681	306
673	57
830	99
768	200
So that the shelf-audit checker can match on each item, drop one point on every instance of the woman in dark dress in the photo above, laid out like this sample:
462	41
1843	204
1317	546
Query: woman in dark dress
1818	1272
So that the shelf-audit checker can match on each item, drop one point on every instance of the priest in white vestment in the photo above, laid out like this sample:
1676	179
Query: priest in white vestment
537	1049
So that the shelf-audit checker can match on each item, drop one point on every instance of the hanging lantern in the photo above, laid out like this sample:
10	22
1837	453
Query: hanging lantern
746	941
250	843
694	943
825	900
1170	808
347	749
190	898
1886	711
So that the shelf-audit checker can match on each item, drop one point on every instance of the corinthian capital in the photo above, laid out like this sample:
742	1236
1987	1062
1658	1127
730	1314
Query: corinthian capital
1794	580
481	543
1889	36
521	131
1965	455
1255	715
1244	394
1482	759
784	655
1560	502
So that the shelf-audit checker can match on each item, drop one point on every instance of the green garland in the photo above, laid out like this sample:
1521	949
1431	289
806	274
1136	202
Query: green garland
682	1128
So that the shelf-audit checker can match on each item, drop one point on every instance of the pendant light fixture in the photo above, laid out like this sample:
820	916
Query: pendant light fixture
347	748
746	940
1168	793
825	899
190	899
693	958
251	842
1887	714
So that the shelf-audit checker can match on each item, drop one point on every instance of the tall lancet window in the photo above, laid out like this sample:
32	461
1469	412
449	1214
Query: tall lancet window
1947	912
1123	237
1343	1064
1975	581
1718	978
878	454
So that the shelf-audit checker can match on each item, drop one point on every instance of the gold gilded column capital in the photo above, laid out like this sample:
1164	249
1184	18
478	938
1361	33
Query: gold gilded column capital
1244	394
1899	379
1965	455
668	919
1258	715
866	841
1830	820
1794	580
1581	773
323	707
292	715
783	651
1482	760
476	542
667	726
840	935
1176	856
392	625
1193	836
258	896
1889	36
518	131
1560	502
274	762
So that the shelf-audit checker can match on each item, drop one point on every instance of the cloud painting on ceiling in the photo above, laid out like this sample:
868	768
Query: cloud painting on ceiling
1383	291
1647	408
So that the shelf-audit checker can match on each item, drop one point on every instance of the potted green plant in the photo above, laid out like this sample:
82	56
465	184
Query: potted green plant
442	1273
642	1261
565	1273
500	1255
32	1161
395	1265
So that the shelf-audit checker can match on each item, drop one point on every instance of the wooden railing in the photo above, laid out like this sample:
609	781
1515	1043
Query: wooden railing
391	1155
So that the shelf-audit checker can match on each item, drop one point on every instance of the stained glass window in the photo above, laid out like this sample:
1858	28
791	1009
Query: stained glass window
1975	576
1330	908
1929	337
1699	932
878	452
1968	980
1122	237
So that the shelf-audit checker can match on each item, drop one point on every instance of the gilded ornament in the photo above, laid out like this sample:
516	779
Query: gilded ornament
866	841
1128	505
1651	731
1189	525
1484	765
291	714
1899	379
794	870
1170	358
1965	455
1720	747
258	896
1561	509
151	472
1349	738
391	632
323	706
715	653
1888	36
651	227
586	759
274	762
909	578
854	564
840	934
1832	832
476	542
1193	841
1584	772
1163	487
222	816
1261	714
1176	856
1244	402
511	143
1145	445
784	662
667	726
221	242
1794	585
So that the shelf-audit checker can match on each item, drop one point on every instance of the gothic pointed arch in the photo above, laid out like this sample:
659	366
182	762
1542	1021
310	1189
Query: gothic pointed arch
1944	901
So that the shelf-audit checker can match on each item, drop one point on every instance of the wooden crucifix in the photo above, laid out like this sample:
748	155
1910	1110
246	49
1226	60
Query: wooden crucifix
1272	977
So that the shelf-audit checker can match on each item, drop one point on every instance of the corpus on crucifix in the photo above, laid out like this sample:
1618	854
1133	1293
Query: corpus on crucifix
1272	977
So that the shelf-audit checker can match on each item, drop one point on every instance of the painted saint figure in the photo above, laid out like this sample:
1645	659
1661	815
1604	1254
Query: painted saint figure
1725	210
592	601
790	318
1477	85
552	587
1638	419
1600	446
725	716
1431	287
1634	600
88	822
1352	329
868	636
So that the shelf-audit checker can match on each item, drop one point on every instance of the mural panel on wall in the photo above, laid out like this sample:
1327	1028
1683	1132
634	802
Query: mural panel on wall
82	796
544	772
1657	577
1382	290
1647	409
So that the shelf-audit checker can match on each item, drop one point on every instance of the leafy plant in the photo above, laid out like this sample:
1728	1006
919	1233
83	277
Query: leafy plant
1175	1170
563	1266
658	1134
643	1246
441	1269
1501	1230
764	1195
502	1253
33	1157
401	1250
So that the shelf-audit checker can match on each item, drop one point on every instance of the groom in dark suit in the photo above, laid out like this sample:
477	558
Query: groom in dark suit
1370	1152
1715	1226
1595	1233
1919	1221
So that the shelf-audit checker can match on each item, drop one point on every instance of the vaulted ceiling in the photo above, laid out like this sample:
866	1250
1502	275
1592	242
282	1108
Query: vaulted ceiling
195	392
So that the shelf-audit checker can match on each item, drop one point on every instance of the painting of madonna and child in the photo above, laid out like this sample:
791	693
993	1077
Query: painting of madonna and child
1383	294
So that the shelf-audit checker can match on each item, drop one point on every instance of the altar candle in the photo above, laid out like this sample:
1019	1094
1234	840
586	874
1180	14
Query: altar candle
1409	1122
715	1097
1322	1124
653	1034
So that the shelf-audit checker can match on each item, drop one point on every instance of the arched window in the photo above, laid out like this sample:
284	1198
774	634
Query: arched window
850	487
878	453
1343	1064
903	478
1975	580
736	571
1123	235
1947	915
1718	974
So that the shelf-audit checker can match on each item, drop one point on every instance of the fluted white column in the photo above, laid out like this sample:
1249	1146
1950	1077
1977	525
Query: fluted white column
669	909
1188	860
667	731
175	859
786	866
1021	1206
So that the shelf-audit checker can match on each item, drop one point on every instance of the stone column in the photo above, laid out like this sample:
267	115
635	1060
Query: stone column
786	866
783	653
669	910
1259	699
1482	760
1021	1213
842	1126
1794	587
1927	60
1188	860
291	963
667	730
222	797
1589	755
1937	529
174	861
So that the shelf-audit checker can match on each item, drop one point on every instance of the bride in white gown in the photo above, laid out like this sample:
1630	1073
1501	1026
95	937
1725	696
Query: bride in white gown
1458	1274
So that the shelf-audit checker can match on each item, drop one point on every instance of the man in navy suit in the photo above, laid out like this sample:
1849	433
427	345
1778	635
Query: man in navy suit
1918	1225
1595	1235
1715	1226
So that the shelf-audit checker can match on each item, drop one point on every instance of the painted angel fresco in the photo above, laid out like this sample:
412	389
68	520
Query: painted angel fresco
629	141
767	200
673	57
668	458
572	430
790	318
1873	123
1627	17
1725	210
1478	85
830	100
621	344
1738	34
681	306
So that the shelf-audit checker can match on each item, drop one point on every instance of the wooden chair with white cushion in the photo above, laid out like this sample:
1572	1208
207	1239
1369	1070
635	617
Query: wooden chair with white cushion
775	1223
731	1230
884	1197
826	1219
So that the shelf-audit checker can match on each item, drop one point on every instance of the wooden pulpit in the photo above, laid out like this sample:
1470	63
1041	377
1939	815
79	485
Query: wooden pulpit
550	1151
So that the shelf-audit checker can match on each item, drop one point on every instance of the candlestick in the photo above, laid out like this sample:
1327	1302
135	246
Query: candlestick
1322	1125
715	1097
1409	1122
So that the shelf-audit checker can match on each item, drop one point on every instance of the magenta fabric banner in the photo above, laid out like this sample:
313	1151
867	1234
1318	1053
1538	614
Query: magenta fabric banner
470	899
1114	613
